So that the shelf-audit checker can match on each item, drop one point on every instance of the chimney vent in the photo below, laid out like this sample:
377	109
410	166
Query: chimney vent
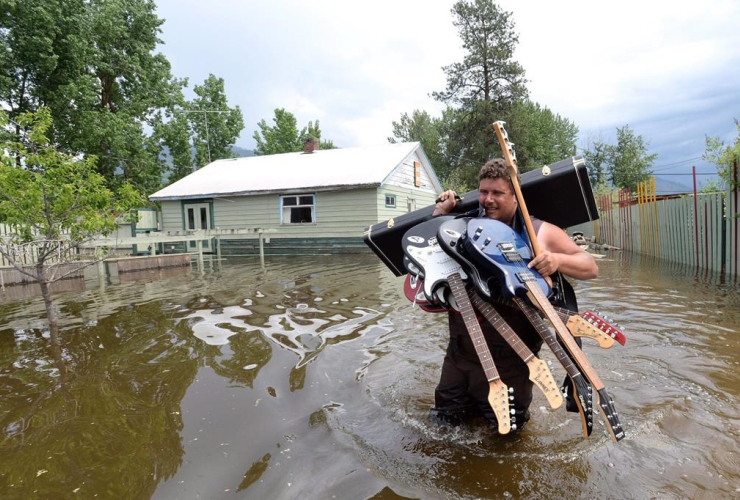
310	144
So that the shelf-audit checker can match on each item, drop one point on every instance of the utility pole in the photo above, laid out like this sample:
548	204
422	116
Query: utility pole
205	115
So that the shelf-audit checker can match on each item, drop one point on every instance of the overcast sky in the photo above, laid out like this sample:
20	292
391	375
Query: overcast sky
669	69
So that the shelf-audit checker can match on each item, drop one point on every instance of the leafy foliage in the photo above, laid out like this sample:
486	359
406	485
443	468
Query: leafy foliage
93	64
284	137
541	137
420	127
488	71
628	162
54	200
52	193
724	157
486	86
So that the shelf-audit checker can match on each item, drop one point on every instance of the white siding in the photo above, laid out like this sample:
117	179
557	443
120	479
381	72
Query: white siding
172	216
338	214
403	175
421	199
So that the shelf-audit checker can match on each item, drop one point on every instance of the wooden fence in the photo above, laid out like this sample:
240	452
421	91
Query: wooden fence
697	230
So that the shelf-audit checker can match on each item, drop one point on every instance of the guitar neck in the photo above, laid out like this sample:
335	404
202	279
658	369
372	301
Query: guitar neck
575	351
498	322
511	165
536	320
471	322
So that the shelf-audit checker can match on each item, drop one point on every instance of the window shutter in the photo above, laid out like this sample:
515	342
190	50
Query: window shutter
417	174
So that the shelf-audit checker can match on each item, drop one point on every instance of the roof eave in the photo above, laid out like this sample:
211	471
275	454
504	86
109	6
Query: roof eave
316	189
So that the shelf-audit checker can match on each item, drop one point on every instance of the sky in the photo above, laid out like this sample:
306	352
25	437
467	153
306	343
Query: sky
669	69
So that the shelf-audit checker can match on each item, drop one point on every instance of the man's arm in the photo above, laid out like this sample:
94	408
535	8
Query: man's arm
559	253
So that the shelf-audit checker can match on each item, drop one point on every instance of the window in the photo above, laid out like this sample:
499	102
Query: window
297	209
390	200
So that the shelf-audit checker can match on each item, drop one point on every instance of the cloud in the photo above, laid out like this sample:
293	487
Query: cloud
669	70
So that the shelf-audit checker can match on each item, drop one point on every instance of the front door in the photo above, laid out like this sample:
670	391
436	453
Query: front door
198	216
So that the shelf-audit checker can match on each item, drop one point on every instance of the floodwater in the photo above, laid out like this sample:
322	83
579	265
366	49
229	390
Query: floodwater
312	378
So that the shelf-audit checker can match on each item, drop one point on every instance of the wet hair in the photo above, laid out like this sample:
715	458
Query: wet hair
494	169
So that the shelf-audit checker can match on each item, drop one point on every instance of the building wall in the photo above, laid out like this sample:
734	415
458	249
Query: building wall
420	199
341	218
403	176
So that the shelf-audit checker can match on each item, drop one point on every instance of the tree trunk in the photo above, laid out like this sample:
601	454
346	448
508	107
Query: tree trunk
51	315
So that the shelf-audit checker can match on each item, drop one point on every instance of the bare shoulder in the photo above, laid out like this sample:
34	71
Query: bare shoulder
554	239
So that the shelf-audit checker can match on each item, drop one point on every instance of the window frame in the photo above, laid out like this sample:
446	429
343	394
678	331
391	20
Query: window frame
394	197
298	205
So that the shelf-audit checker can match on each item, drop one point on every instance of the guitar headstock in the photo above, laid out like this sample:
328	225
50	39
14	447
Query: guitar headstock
507	148
600	323
501	398
541	376
579	327
584	401
606	406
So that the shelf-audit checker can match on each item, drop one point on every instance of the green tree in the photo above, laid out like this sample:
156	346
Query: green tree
54	201
628	161
596	156
488	71
216	127
423	128
723	156
94	64
540	136
283	136
480	90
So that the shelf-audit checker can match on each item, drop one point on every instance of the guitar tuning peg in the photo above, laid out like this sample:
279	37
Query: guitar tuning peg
513	427
512	411
511	390
590	424
511	398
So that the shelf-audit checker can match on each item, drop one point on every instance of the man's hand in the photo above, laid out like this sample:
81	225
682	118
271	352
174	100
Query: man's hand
446	204
546	263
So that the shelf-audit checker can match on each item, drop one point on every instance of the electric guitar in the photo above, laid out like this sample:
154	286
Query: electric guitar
420	244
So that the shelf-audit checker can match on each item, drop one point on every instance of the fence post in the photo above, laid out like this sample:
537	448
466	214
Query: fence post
696	217
736	216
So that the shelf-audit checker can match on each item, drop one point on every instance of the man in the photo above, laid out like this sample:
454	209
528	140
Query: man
463	389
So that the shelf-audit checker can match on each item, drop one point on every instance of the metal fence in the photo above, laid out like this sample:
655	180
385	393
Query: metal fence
698	230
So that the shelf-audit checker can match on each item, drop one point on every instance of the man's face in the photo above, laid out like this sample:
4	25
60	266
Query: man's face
497	198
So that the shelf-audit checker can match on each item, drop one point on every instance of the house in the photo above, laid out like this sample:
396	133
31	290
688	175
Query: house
316	201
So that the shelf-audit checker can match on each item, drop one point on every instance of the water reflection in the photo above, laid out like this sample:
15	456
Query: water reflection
312	378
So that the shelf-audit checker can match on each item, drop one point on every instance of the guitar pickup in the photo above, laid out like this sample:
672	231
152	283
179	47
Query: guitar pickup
525	276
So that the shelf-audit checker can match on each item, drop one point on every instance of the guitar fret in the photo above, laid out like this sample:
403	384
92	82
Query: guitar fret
567	338
471	322
498	322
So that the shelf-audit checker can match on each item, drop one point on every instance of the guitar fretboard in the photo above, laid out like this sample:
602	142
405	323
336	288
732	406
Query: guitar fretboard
471	323
533	315
500	324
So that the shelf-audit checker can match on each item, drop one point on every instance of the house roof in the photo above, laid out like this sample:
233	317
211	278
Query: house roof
318	171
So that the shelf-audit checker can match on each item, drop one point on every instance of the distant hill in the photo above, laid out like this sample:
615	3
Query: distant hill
665	186
240	152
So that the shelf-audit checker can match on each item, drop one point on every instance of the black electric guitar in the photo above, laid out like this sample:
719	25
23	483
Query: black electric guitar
440	270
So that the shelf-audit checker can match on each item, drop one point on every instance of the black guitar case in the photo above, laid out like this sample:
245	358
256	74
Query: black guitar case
560	194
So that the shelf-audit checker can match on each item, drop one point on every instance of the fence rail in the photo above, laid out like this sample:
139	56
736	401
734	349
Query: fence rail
698	230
